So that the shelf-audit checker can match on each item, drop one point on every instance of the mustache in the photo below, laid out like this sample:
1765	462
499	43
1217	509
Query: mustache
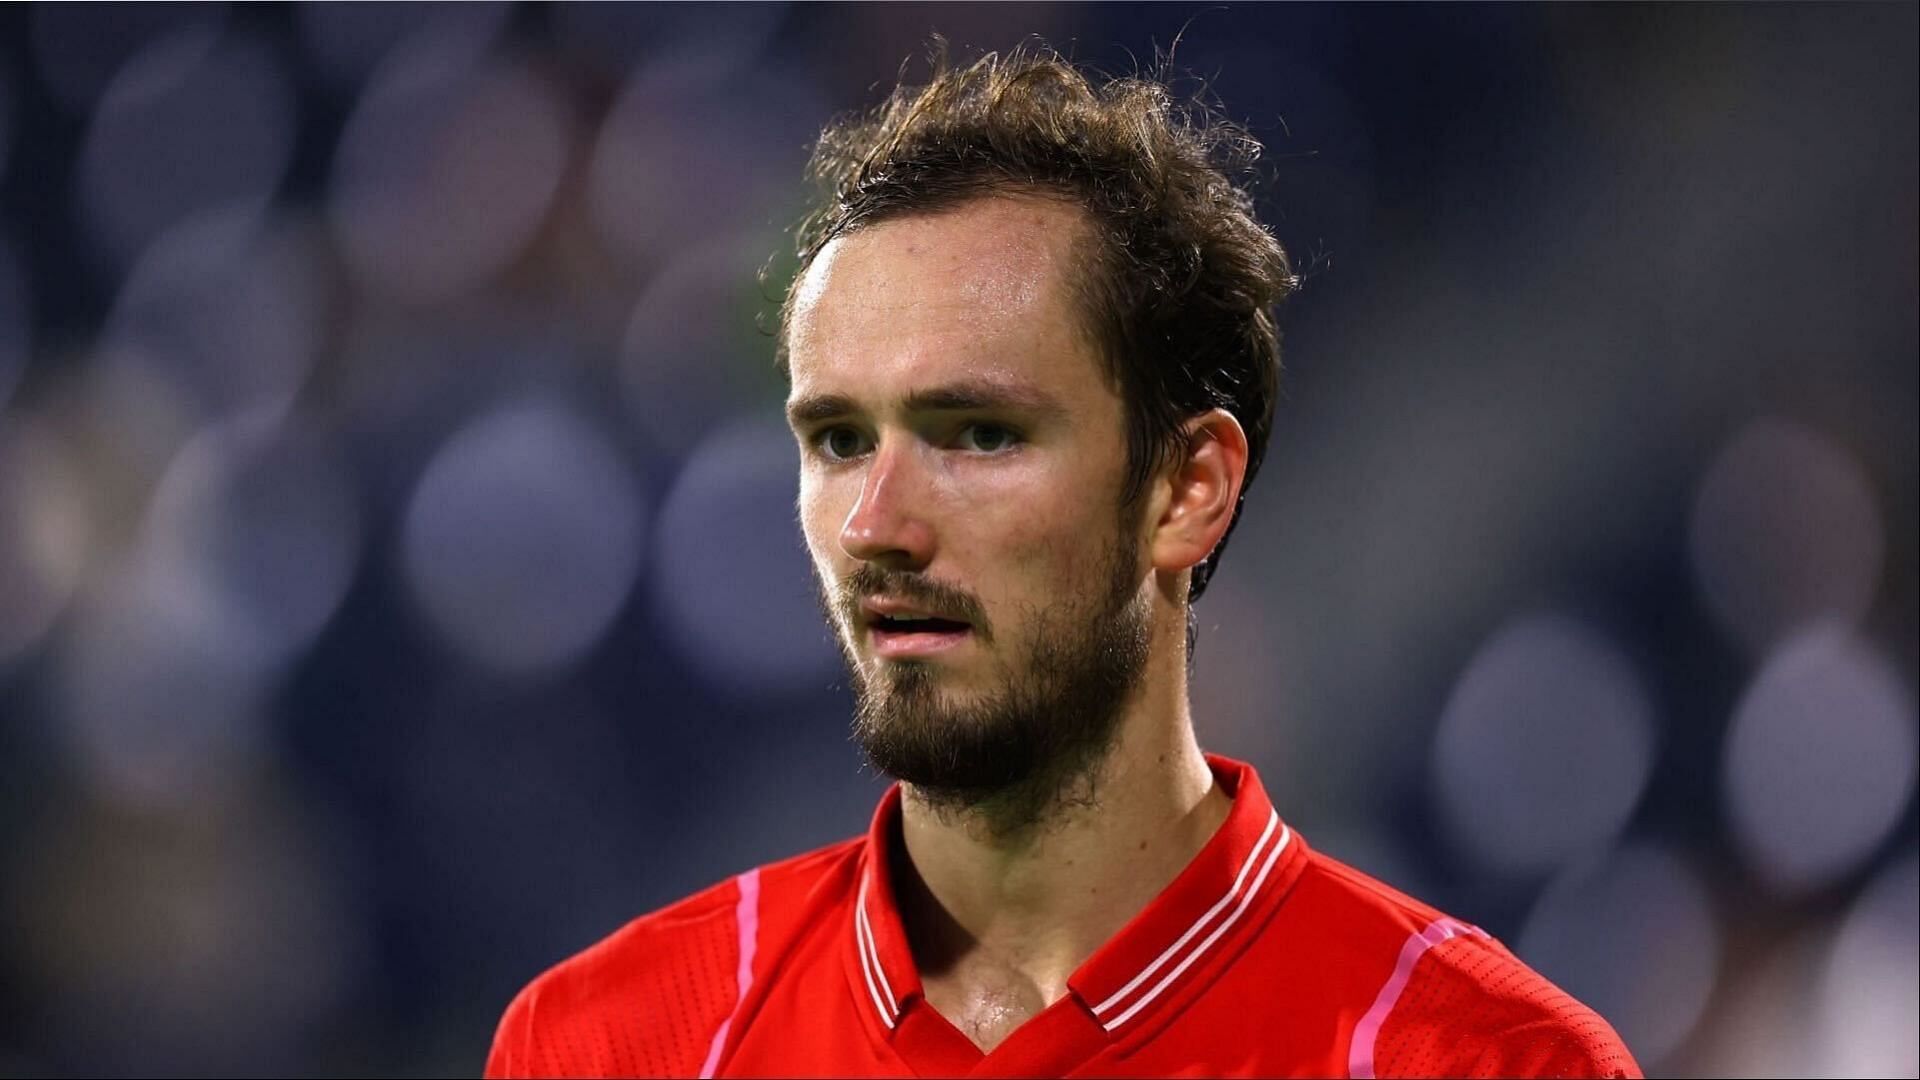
869	580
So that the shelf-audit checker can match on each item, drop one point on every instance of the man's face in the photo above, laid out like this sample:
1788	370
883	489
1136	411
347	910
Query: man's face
962	456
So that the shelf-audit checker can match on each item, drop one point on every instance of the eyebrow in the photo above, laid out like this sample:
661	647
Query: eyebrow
968	396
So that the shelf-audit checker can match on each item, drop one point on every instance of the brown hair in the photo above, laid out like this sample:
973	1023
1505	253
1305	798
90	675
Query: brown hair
1179	285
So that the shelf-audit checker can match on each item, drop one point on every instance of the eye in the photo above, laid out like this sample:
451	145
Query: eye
987	438
840	443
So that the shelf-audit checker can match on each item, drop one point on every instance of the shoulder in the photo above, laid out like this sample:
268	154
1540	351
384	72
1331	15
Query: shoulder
1454	1001
1354	913
1469	1007
646	999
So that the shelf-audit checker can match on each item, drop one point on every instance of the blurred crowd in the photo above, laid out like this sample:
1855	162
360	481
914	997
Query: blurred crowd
399	585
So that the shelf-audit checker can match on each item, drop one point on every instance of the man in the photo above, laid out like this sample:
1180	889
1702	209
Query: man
1033	363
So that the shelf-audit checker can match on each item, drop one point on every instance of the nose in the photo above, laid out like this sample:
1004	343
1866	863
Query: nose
885	525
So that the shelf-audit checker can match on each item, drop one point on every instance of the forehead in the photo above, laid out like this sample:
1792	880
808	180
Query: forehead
980	289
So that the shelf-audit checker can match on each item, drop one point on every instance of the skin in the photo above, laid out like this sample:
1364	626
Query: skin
1011	499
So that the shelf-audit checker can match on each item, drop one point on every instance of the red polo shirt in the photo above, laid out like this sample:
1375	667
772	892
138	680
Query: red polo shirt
1263	958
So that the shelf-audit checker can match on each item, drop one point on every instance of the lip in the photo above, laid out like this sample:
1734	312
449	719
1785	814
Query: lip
875	607
898	644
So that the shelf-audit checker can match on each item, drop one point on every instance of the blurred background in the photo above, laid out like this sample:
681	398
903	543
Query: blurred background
399	588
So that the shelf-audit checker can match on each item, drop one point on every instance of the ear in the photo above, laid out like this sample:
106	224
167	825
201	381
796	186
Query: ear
1198	495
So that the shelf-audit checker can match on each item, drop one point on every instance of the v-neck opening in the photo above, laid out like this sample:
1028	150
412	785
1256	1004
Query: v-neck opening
1183	938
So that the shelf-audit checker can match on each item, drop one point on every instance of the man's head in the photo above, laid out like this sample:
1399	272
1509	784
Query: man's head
1033	364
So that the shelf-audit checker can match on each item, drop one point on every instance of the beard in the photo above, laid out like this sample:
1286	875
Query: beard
1030	743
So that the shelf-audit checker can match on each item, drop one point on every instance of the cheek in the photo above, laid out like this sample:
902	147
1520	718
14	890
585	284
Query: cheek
820	522
1041	525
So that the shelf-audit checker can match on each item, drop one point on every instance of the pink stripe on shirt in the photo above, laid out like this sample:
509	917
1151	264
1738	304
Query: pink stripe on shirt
1367	1031
746	918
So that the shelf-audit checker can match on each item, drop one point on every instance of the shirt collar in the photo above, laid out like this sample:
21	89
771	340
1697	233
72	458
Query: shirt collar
1215	904
883	970
1219	899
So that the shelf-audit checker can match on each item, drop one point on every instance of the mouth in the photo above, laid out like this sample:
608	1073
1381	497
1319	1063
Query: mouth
899	630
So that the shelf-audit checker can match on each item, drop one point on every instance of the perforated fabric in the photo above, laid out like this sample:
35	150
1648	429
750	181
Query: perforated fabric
1472	1009
656	1019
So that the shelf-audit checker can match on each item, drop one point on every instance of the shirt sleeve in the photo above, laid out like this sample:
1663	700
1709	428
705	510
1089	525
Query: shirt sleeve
646	1001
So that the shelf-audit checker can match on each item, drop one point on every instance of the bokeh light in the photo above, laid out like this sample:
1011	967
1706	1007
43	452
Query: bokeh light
154	703
349	40
730	581
45	535
1764	1020
227	309
165	945
675	166
193	123
78	49
1870	996
1633	935
698	46
524	537
263	525
1785	530
681	362
121	419
243	554
1820	758
446	170
1545	745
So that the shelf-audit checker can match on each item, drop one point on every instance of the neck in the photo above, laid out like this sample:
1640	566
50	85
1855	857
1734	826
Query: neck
999	919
